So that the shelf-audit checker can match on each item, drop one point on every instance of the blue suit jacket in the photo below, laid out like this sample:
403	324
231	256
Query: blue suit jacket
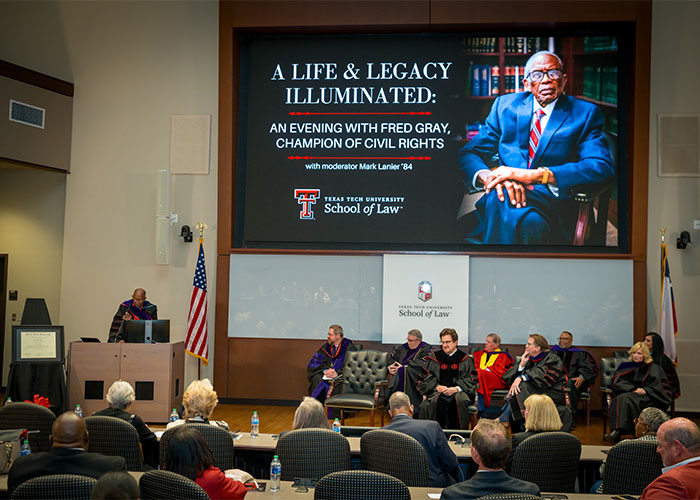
572	146
485	483
442	462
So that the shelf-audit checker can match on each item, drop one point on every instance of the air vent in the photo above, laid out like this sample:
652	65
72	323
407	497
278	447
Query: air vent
26	114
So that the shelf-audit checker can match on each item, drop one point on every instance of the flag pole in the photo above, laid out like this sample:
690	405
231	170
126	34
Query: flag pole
201	226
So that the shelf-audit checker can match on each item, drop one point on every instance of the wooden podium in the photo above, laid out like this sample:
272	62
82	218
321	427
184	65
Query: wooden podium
155	371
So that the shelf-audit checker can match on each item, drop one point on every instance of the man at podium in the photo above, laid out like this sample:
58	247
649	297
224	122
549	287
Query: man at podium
135	308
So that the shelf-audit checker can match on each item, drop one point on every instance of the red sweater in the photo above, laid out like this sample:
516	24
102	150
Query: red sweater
217	485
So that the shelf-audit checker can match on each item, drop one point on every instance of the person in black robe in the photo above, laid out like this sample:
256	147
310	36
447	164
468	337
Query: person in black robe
137	307
405	365
540	371
580	367
448	385
637	384
328	362
656	347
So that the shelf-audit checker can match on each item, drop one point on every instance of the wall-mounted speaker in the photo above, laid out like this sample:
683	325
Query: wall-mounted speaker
679	145
162	217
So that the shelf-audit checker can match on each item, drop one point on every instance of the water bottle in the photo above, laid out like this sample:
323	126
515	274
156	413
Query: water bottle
254	425
25	449
173	415
336	425
8	401
275	474
79	411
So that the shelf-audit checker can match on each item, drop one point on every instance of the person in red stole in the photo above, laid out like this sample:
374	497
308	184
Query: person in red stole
491	364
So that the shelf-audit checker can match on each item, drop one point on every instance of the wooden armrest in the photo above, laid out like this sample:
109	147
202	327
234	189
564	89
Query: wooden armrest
606	390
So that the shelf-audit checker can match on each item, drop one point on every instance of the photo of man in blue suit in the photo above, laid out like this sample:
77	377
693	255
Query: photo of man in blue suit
536	148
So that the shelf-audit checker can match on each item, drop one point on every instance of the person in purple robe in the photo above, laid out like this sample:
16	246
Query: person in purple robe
135	308
406	365
328	362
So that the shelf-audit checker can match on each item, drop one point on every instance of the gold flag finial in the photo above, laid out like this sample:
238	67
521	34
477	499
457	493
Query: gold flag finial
663	234
201	226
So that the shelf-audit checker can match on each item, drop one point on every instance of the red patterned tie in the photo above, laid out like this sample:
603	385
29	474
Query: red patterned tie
535	133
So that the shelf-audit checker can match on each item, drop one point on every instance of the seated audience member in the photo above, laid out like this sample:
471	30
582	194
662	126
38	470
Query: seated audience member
540	416
656	347
189	454
120	396
637	384
69	442
645	427
491	364
406	365
310	415
328	362
679	447
540	372
580	367
137	307
490	448
442	462
116	486
448	385
199	401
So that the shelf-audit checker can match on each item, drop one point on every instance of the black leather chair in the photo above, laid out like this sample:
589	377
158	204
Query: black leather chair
608	367
218	439
70	486
630	466
32	417
509	496
166	485
312	453
380	450
548	459
360	485
362	385
115	437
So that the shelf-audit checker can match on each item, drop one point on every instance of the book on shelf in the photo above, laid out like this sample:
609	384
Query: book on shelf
472	129
481	44
514	79
484	80
524	44
600	83
599	43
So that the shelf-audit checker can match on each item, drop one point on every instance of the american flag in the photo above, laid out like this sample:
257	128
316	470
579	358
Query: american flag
196	343
668	326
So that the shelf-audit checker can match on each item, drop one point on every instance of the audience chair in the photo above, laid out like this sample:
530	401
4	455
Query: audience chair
630	466
166	485
32	417
70	486
608	366
391	452
218	439
550	460
116	437
362	384
509	496
312	453
360	485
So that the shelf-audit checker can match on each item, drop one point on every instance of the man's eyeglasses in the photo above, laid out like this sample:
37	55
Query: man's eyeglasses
553	74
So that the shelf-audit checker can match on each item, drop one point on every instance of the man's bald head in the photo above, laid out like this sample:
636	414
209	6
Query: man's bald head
139	297
678	440
69	431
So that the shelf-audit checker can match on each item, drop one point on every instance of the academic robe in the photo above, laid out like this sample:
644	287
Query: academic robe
410	371
671	376
543	374
627	404
490	367
327	356
145	312
452	371
577	362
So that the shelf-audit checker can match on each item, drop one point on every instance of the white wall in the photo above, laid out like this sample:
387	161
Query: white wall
134	64
673	202
32	204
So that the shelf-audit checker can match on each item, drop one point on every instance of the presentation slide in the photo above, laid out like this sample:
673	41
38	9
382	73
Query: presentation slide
357	141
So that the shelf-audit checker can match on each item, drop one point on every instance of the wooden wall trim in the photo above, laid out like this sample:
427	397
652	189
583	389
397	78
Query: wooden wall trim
35	78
